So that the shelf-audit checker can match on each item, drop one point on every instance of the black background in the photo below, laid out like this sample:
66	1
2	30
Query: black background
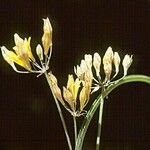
28	115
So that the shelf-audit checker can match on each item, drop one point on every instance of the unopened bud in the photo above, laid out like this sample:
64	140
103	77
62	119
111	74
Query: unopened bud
127	61
116	62
88	60
39	52
47	36
56	90
97	63
107	62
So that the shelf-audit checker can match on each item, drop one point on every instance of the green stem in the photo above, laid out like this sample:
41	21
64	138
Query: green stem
75	128
96	103
99	124
60	113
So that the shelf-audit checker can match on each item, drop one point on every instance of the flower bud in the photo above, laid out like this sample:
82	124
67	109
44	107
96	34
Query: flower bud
127	61
116	62
97	63
107	62
56	90
47	36
39	52
88	60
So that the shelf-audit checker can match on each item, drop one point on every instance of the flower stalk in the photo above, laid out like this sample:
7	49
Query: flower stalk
97	102
60	112
100	124
75	128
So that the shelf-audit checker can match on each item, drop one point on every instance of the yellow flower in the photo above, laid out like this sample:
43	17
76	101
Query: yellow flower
23	47
22	54
70	93
47	35
12	58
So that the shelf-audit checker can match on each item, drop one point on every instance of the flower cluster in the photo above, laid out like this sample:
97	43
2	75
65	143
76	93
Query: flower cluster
75	93
23	56
109	59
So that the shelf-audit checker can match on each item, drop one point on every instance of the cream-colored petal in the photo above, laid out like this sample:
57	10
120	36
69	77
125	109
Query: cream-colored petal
116	62
88	60
47	36
82	98
97	63
27	48
69	98
107	62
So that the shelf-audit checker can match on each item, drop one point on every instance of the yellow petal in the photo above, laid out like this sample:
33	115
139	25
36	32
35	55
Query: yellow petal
27	48
55	88
83	98
68	97
70	82
76	88
11	57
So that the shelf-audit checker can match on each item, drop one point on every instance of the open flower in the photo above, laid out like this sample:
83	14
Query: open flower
75	94
22	54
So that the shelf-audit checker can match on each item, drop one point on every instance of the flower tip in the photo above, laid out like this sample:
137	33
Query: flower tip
109	48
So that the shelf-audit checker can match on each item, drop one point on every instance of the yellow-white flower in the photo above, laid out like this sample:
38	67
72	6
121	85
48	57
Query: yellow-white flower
22	53
110	60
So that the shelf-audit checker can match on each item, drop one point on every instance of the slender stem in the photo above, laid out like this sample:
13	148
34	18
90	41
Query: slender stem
99	125
60	113
97	102
75	128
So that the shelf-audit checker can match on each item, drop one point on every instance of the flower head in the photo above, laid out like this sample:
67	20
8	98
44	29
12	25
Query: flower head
110	60
75	93
22	54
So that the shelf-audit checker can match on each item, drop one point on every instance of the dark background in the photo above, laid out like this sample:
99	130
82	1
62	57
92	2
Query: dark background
28	115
